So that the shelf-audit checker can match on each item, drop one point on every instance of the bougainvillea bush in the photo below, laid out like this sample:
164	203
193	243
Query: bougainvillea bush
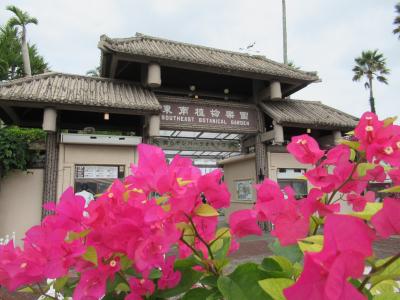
155	235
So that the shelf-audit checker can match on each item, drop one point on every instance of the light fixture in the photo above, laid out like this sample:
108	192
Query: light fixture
226	91
308	130
192	88
196	97
106	116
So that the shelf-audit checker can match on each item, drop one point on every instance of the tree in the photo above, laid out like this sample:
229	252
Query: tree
11	63
371	65
397	20
94	72
22	19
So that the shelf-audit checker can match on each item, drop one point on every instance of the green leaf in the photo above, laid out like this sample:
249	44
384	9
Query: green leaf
385	286
393	189
125	262
230	290
90	255
242	283
206	210
27	289
312	243
389	121
197	294
371	208
72	235
210	280
221	247
277	267
187	263
188	278
155	274
60	283
353	154
275	286
362	168
387	296
352	144
292	252
390	272
122	287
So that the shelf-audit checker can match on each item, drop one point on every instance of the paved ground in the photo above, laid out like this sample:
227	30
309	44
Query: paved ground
255	249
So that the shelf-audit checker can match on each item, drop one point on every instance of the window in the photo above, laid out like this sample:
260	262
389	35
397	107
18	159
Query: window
96	178
299	186
293	178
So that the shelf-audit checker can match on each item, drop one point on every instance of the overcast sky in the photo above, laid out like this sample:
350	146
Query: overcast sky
323	36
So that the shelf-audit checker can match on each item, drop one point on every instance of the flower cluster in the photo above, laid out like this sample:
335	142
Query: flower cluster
156	233
341	173
131	228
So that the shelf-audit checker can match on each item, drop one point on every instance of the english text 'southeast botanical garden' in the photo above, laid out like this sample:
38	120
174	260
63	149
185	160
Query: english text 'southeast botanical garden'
233	151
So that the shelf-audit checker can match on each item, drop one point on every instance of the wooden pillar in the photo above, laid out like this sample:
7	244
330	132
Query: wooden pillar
337	136
154	75
278	133
260	150
154	125
275	90
51	161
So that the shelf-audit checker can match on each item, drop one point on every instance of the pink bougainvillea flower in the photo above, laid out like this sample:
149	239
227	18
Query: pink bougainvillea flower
169	278
305	149
314	203
347	242
318	282
319	177
290	225
337	155
140	287
360	201
376	174
244	222
347	233
368	129
215	192
268	190
395	176
387	221
91	286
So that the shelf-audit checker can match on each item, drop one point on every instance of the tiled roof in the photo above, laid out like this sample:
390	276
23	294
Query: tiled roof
158	48
308	113
66	89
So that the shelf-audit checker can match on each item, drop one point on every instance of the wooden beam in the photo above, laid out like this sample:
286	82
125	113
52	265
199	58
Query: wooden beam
11	114
267	136
188	144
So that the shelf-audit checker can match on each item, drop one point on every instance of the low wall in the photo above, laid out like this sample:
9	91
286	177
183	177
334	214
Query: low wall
20	202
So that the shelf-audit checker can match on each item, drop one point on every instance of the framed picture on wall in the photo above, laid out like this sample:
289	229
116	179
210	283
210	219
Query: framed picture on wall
244	190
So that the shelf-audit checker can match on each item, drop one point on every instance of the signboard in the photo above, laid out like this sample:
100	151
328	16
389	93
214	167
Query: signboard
244	190
204	115
196	145
96	172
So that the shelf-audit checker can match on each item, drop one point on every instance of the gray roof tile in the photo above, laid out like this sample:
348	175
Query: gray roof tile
158	48
67	89
308	113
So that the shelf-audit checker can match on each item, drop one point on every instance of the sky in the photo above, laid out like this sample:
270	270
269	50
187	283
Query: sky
323	36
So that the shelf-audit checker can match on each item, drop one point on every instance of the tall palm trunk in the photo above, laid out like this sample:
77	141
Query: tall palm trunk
371	96
25	53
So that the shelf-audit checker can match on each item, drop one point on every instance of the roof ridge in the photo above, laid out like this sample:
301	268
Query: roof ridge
55	73
139	36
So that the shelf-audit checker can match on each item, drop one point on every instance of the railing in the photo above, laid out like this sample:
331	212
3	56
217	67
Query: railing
7	238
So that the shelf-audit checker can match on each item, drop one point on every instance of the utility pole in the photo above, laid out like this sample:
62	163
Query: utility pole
285	59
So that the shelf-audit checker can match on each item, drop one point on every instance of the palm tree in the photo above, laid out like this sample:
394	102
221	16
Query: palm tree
397	20
22	19
371	65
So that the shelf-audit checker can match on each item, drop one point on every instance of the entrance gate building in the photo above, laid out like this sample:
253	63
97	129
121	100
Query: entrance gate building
221	108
